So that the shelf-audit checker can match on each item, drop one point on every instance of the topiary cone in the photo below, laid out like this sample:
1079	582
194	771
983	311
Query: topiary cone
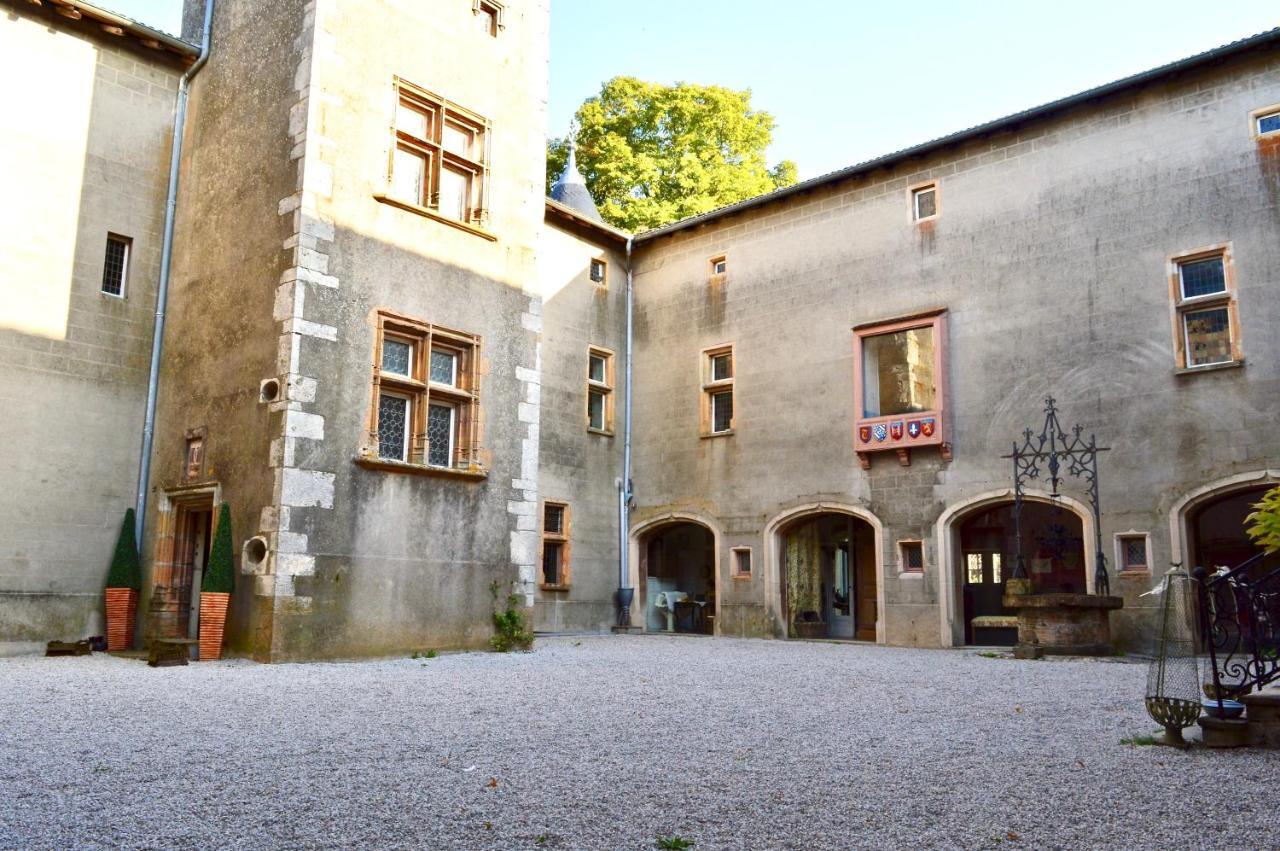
124	580
215	589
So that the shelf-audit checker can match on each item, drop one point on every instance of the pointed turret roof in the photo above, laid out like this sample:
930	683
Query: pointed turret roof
570	189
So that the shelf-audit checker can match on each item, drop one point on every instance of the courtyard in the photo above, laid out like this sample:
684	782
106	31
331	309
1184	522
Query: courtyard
610	742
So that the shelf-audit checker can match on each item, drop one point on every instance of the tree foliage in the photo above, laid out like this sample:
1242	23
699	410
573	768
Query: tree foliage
220	575
653	154
126	567
1264	522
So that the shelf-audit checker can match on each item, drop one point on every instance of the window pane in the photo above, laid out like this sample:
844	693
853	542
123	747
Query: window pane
488	22
897	373
597	271
1208	336
995	568
926	203
719	267
457	140
721	367
396	357
454	188
913	556
408	176
721	411
743	562
1135	552
1203	277
595	409
440	435
393	426
551	551
973	566
444	367
553	519
113	270
596	371
1269	123
413	121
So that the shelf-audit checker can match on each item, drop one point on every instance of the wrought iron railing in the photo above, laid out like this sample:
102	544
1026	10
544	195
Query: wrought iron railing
1240	626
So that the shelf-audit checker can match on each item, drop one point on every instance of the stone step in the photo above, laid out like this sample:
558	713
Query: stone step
1263	707
1224	733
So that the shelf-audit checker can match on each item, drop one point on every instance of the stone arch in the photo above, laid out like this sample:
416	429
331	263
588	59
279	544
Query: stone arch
641	531
1186	505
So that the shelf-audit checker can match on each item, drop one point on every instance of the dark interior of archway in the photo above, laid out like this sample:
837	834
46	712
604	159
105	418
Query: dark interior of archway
679	559
829	578
1218	532
1052	549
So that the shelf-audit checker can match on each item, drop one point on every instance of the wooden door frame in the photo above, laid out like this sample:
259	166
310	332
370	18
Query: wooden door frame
172	509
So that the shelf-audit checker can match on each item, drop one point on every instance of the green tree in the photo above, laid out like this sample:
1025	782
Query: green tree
1264	523
126	567
219	576
653	154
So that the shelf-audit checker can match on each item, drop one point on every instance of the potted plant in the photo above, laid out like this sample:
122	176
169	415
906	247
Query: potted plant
215	589
124	581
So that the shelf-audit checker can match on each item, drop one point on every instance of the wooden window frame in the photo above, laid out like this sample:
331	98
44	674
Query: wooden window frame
604	388
712	386
903	565
1122	564
561	538
441	113
603	283
913	203
713	276
467	459
932	427
736	571
127	242
494	8
1255	120
1179	306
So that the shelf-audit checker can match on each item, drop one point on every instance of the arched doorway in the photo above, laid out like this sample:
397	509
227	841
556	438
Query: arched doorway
1053	549
828	577
1216	530
678	579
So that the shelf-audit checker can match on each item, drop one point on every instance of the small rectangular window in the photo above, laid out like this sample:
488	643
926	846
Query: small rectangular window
912	556
393	426
1268	122
599	271
444	367
1203	293
488	16
719	266
924	202
1133	552
555	545
717	391
397	356
115	269
742	563
600	390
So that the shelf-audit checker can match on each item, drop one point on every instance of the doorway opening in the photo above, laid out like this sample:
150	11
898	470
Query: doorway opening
182	552
678	579
1053	552
829	580
1216	532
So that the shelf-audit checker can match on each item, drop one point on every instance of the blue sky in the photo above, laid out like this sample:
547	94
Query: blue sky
847	81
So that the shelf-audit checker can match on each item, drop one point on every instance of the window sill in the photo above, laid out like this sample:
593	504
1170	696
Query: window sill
911	574
742	577
388	466
600	431
433	215
545	587
1211	367
708	434
1135	572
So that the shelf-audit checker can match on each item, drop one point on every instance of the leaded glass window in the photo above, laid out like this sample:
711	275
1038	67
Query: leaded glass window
1135	553
444	367
393	427
973	568
912	556
1202	277
1208	336
996	576
397	357
898	373
440	435
116	266
722	411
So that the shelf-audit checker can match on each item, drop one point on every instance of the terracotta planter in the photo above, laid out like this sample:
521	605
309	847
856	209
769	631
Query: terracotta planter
122	613
213	620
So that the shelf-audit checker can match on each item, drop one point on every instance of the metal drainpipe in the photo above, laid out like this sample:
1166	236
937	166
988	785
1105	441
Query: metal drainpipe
625	491
166	261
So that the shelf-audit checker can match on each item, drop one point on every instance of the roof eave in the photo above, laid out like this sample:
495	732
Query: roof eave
608	231
149	36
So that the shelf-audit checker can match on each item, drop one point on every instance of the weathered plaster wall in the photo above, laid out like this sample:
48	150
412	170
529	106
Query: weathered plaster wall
1050	254
73	361
579	467
369	561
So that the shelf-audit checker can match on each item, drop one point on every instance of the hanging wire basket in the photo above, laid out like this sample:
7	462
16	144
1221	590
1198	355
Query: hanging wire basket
1173	678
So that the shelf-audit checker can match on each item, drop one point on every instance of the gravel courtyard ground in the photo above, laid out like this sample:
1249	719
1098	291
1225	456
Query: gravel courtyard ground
611	743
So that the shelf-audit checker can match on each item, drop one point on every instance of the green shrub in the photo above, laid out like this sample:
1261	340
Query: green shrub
511	630
220	575
1265	522
126	567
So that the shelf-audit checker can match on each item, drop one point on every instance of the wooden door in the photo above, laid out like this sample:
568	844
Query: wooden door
865	596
